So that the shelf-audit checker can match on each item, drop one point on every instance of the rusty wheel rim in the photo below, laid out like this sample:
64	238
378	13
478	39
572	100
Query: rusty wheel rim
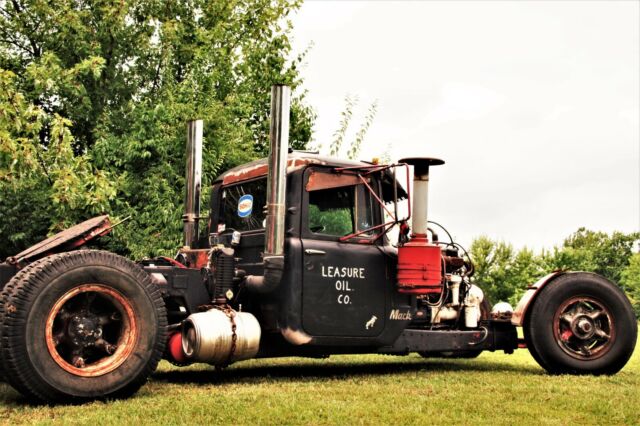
91	330
583	328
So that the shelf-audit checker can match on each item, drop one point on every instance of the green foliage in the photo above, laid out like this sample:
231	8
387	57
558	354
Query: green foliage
353	149
630	281
330	222
43	188
504	272
345	120
598	252
101	92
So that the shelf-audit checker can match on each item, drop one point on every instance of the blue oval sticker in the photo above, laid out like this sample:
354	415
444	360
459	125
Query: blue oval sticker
245	205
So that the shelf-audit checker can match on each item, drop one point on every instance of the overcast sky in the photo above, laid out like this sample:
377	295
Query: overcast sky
534	106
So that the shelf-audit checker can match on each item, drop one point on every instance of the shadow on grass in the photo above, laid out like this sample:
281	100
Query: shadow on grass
301	373
304	373
11	398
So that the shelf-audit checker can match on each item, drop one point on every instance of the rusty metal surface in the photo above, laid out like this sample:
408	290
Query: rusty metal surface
318	181
195	258
295	161
584	328
518	315
68	239
113	355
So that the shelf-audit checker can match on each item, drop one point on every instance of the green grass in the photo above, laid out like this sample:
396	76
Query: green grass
359	389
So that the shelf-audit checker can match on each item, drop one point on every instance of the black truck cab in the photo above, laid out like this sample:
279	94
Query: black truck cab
338	285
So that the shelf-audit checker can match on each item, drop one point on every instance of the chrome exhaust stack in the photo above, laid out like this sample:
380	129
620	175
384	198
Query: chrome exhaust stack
193	178
273	258
277	177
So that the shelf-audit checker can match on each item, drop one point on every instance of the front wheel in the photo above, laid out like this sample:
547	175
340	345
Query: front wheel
581	323
81	325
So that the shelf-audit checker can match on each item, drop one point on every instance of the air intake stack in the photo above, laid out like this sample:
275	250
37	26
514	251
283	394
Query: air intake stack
419	261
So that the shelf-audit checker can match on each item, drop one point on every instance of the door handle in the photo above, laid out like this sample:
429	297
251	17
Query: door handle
312	251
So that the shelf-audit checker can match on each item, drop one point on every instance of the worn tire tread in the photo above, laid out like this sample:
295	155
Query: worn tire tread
561	288
21	293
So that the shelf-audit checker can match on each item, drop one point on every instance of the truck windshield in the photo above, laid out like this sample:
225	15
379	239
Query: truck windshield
242	207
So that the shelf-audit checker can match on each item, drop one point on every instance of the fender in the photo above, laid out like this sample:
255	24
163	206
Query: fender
519	314
67	240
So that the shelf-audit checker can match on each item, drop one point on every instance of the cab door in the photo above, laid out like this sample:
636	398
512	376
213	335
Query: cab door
345	281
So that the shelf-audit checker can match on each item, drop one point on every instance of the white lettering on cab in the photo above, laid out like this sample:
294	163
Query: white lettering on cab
342	272
342	284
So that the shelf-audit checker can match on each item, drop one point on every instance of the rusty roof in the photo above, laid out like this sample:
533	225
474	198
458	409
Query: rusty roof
296	161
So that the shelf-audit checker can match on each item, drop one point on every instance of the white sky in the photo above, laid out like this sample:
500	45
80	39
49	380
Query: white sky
534	106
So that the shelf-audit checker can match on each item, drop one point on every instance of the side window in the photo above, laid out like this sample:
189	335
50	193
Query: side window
341	211
242	206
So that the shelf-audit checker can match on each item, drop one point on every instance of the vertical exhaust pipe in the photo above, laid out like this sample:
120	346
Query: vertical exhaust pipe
420	193
193	179
273	258
277	175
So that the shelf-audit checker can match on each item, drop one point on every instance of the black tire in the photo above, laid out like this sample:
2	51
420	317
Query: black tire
581	323
530	344
6	291
79	326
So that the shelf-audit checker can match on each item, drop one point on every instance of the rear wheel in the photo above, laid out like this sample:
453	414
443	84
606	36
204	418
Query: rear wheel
81	325
581	323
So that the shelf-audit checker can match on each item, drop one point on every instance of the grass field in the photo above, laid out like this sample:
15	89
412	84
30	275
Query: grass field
360	389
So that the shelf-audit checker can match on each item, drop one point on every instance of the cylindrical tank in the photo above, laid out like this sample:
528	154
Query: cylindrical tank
208	337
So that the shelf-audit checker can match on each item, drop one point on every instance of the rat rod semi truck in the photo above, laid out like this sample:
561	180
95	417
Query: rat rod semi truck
296	259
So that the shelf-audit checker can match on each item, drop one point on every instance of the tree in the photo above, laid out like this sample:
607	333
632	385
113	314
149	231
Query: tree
585	250
493	261
124	77
503	273
335	148
41	186
630	282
